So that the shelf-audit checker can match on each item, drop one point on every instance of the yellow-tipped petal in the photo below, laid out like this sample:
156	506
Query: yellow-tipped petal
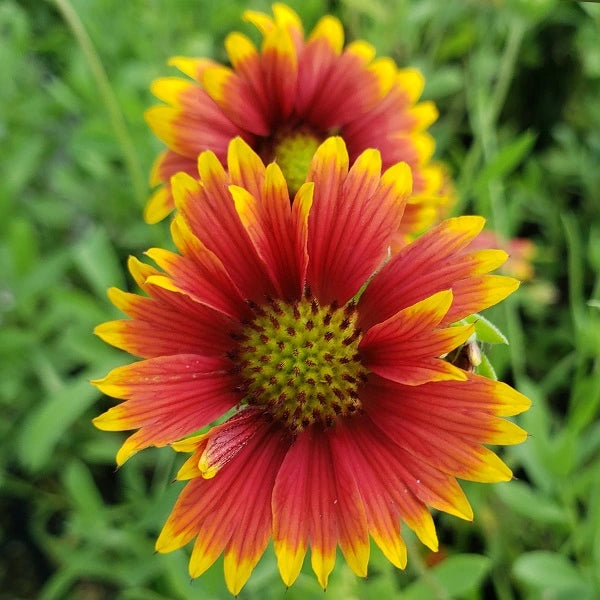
237	572
425	114
322	565
189	469
239	48
165	283
127	450
183	184
511	402
263	22
170	89
412	82
424	527
368	161
400	177
393	548
289	561
488	260
366	52
192	67
189	444
425	146
499	287
357	556
140	271
111	332
210	169
160	119
332	150
245	166
286	17
215	82
330	29
471	224
385	71
158	206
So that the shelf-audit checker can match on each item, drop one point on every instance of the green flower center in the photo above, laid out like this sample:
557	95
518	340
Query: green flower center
300	362
293	151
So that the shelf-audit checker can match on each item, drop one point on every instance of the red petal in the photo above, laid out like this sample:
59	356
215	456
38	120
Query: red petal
195	125
352	219
432	263
442	425
404	347
166	398
278	235
312	500
211	215
386	490
231	511
236	98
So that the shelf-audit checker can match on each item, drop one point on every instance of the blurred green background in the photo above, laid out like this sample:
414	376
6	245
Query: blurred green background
517	83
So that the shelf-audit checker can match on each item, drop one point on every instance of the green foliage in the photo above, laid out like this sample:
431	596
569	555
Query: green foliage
517	84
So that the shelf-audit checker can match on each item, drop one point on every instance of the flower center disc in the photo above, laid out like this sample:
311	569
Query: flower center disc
300	362
293	151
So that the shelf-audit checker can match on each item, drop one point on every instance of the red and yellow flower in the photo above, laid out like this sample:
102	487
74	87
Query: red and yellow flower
324	352
286	98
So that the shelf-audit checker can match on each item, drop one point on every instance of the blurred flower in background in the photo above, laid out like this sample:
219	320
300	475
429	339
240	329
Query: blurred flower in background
343	419
521	253
286	98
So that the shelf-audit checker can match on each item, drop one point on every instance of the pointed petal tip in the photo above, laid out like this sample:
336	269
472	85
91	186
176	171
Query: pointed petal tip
158	206
399	176
330	29
470	223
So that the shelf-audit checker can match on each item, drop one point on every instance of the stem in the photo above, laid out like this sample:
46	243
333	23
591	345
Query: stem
108	97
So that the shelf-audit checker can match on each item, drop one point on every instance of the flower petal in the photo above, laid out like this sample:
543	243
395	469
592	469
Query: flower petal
276	232
211	215
160	331
280	73
194	125
312	500
436	261
166	398
387	491
236	98
230	512
198	272
405	347
443	425
352	220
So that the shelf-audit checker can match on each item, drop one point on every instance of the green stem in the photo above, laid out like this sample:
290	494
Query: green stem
108	97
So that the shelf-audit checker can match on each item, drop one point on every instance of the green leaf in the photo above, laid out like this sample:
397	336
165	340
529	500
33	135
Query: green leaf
98	262
549	572
507	159
45	426
521	498
485	330
456	576
82	490
485	368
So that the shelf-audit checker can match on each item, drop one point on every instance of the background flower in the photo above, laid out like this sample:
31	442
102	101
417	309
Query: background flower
286	98
346	418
